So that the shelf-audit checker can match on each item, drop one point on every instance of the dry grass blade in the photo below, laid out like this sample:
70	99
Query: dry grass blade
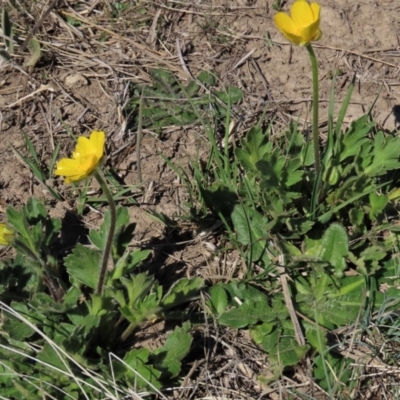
289	303
102	386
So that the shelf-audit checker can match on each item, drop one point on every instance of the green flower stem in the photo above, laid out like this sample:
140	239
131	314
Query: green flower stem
128	331
98	174
315	134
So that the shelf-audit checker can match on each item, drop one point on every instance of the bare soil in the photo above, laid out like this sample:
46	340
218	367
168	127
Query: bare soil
90	65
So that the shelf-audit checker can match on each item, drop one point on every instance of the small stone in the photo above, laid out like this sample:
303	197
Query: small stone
75	80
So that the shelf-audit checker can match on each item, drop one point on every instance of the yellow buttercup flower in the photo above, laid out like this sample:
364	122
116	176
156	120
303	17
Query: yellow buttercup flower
85	159
6	235
302	26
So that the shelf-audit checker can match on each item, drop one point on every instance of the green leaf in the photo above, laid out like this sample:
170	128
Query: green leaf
330	369
49	355
252	230
17	219
220	198
335	247
140	372
244	291
168	357
292	172
83	265
99	238
137	257
6	27
394	194
36	52
283	351
138	286
258	332
386	155
192	89
299	226
218	299
356	216
248	313
207	78
334	307
288	352
231	95
182	291
271	339
253	149
143	309
96	238
343	108
52	230
355	137
16	329
364	157
128	262
378	204
83	320
317	338
35	210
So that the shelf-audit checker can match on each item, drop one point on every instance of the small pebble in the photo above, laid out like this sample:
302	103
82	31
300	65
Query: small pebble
75	80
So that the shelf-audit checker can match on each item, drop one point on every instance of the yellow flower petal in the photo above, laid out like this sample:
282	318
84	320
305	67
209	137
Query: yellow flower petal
316	9
85	159
311	32
98	139
306	34
6	235
285	24
66	167
302	26
83	146
302	14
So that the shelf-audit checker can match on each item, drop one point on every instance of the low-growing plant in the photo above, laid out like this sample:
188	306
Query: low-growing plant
167	102
78	298
322	215
67	312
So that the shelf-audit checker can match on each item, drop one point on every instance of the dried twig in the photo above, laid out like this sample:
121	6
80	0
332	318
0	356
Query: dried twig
51	87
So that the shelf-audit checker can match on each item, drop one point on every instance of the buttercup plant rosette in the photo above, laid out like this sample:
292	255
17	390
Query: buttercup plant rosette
85	159
302	26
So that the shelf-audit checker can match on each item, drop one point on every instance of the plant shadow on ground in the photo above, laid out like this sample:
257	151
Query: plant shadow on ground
73	231
396	112
165	249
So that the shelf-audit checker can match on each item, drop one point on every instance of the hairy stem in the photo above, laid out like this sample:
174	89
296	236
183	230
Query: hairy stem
108	247
315	135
